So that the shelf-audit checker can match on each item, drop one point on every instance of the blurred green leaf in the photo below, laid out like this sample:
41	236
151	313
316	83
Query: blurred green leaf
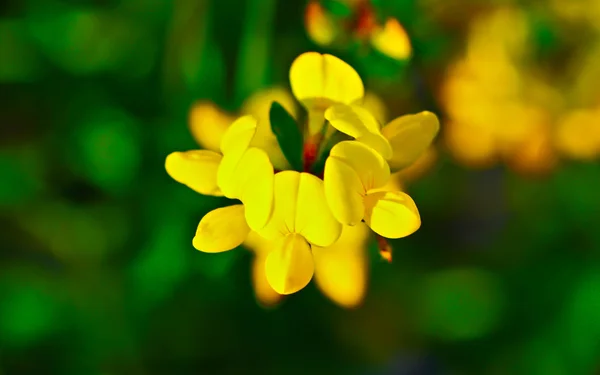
21	177
87	41
575	186
253	66
77	235
461	304
377	65
337	8
581	323
544	34
542	356
216	266
19	62
203	70
27	313
107	149
163	262
288	135
194	65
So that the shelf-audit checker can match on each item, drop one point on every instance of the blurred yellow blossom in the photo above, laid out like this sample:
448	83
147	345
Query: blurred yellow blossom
208	123
578	11
296	223
578	134
392	40
360	24
319	25
500	109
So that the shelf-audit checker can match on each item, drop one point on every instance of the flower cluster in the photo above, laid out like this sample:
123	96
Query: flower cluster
299	219
356	20
501	107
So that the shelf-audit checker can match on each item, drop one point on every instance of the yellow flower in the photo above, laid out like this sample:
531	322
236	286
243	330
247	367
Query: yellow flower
320	81
353	174
208	123
414	171
296	223
341	270
241	172
401	142
300	219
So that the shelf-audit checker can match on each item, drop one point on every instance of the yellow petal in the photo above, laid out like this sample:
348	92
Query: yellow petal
290	266
300	207
314	219
221	230
341	270
259	105
257	193
410	136
264	293
391	214
358	123
395	183
239	135
419	168
392	40
370	167
207	124
261	247
375	105
196	169
344	192
249	178
320	80
319	25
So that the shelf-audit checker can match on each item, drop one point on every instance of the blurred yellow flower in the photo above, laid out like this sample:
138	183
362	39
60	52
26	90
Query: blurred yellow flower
208	123
499	110
319	26
392	40
578	11
296	223
361	24
578	134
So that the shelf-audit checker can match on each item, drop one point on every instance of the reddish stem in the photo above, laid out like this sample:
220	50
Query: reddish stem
385	250
310	155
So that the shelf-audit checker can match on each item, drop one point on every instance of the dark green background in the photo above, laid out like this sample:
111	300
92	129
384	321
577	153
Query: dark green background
97	272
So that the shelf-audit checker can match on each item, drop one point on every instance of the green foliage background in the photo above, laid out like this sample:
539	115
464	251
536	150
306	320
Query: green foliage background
97	272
